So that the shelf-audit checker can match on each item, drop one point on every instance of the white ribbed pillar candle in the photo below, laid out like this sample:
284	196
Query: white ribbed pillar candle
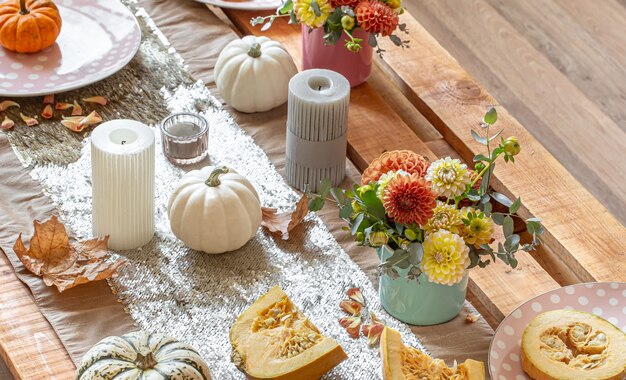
122	168
317	126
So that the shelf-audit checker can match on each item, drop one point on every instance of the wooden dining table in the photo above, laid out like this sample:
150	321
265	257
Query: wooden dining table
418	98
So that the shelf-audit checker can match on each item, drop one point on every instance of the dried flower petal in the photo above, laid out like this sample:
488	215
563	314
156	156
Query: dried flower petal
7	124
351	307
48	99
78	123
29	120
373	331
63	106
96	99
77	110
6	104
92	118
47	112
352	325
356	295
472	318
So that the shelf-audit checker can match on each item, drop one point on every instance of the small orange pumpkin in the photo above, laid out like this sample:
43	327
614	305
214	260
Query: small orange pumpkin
28	26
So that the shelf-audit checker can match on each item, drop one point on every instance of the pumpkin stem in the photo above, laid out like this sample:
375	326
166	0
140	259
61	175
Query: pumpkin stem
214	179
145	361
255	50
23	10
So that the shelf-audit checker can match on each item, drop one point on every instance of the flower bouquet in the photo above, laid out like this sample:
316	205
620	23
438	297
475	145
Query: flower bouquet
434	221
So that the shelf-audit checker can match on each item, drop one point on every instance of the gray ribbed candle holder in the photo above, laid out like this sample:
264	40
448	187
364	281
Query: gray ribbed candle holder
317	126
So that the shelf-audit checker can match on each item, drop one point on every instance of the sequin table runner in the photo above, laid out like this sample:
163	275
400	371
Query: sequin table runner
193	296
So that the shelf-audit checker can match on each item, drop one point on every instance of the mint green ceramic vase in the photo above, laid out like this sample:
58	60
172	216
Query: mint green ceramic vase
424	303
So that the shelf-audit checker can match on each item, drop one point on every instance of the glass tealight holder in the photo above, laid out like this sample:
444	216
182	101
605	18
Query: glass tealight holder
185	138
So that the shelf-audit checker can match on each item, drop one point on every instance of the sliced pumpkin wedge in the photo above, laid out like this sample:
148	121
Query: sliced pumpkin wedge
571	344
402	362
272	339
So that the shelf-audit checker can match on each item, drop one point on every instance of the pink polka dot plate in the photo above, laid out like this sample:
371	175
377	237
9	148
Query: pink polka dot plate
248	5
98	38
605	299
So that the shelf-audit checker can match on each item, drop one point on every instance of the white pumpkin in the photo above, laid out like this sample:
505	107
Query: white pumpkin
253	74
140	355
214	210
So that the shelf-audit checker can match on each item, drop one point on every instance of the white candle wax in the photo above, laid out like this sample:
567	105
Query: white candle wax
122	167
317	125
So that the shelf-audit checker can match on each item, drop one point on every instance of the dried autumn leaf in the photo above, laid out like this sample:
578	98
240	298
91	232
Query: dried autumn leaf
356	295
373	331
65	264
63	106
7	124
351	307
30	121
77	110
352	325
472	318
47	112
284	222
4	105
48	99
96	99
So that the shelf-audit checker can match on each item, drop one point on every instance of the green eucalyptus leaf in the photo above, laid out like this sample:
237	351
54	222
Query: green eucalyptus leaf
502	199
512	242
316	204
345	211
316	8
357	223
372	40
491	116
507	226
533	220
339	196
496	135
478	137
487	207
481	157
267	25
515	206
324	187
416	253
286	7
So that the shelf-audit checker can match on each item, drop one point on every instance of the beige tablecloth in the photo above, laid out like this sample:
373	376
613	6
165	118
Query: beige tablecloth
199	35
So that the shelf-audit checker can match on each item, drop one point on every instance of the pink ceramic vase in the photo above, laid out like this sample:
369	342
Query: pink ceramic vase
356	67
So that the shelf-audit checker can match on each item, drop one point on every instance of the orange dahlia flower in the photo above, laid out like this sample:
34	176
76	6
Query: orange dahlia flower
409	199
341	3
395	160
376	17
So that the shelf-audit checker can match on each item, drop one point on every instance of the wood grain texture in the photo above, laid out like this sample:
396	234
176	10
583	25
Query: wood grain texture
562	110
28	344
578	228
498	289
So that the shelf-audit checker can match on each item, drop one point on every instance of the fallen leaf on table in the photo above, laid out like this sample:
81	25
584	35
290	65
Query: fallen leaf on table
8	103
284	222
48	99
47	112
373	331
472	318
96	99
63	263
30	121
7	124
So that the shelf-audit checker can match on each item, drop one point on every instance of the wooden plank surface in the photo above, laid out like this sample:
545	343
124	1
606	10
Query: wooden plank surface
541	81
29	345
579	229
498	289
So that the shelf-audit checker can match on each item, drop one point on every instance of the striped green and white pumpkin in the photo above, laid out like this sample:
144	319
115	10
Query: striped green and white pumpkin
142	356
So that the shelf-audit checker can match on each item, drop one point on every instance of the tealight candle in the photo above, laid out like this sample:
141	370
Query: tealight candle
185	138
317	126
122	168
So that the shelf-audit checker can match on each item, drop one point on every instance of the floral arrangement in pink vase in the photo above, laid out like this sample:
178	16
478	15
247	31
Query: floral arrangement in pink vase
379	18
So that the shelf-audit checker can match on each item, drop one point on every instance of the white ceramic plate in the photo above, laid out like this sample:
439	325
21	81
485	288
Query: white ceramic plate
98	38
248	5
605	299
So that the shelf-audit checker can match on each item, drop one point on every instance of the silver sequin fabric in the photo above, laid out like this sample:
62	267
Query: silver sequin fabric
195	297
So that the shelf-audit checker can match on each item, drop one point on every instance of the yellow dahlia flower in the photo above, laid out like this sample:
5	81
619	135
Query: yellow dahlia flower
480	228
446	258
306	14
445	217
449	177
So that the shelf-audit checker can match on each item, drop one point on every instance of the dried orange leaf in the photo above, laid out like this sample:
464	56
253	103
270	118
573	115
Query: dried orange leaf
284	222
7	124
351	307
47	112
472	318
352	325
63	263
4	105
77	110
63	106
356	295
30	121
48	99
96	99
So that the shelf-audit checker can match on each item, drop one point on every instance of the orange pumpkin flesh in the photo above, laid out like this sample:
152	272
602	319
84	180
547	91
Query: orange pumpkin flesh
401	362
28	26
